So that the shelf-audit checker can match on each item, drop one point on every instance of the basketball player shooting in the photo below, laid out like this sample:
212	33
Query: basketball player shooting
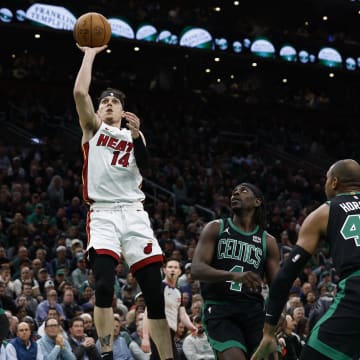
114	157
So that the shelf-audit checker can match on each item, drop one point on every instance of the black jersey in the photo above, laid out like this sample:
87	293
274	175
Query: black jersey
236	251
343	232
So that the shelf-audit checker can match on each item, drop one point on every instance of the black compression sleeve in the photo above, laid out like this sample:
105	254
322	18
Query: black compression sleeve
279	289
142	155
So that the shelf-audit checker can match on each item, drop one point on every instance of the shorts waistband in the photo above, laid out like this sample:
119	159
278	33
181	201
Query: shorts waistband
116	205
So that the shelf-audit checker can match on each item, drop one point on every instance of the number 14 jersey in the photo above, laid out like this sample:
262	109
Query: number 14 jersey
110	173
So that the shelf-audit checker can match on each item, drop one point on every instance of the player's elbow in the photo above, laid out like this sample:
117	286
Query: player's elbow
196	271
79	93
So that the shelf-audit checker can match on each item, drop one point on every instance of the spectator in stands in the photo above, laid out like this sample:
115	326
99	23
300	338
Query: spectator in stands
45	305
54	314
6	302
35	220
21	258
42	254
55	192
82	346
60	262
53	343
17	231
120	349
23	347
5	277
37	243
89	327
80	274
289	341
179	340
26	276
13	322
131	285
310	302
35	266
31	302
33	328
197	343
70	306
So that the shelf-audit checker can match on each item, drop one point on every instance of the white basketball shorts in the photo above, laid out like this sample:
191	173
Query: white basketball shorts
123	229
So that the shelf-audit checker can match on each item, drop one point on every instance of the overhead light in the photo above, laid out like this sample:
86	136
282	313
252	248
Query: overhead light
325	18
254	64
284	80
331	75
236	3
108	51
217	59
217	8
37	36
207	70
136	48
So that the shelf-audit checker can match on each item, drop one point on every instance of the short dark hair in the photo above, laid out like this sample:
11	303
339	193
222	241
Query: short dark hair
113	92
50	318
76	318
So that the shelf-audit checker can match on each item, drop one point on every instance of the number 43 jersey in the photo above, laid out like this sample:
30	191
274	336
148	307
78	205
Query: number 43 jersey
110	173
237	251
343	233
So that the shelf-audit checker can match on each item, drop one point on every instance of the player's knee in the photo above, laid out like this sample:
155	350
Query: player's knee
147	278
104	293
104	273
155	310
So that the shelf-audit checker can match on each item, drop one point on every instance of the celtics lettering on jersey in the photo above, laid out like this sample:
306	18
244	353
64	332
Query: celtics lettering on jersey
237	251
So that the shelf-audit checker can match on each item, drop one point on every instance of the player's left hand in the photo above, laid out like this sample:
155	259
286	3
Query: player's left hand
133	124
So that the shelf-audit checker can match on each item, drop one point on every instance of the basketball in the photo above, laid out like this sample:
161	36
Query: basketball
92	29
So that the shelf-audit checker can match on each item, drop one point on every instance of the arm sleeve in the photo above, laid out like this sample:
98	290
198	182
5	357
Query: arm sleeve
279	289
39	354
10	352
53	355
141	153
67	354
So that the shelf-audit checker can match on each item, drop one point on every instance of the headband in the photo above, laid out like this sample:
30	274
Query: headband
257	192
110	93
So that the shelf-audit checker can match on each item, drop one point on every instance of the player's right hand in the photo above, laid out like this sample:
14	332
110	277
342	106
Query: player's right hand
248	278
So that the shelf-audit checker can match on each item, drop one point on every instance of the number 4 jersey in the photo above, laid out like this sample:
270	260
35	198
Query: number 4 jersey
110	173
343	233
237	251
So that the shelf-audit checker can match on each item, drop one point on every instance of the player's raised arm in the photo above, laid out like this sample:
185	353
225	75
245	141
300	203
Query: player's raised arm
89	121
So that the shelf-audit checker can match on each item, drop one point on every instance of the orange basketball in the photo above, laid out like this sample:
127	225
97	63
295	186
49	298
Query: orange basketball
92	29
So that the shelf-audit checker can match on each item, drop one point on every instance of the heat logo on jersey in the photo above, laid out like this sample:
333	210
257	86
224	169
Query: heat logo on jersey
119	147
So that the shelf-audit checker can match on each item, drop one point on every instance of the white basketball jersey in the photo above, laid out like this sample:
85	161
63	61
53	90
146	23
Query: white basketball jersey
110	173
